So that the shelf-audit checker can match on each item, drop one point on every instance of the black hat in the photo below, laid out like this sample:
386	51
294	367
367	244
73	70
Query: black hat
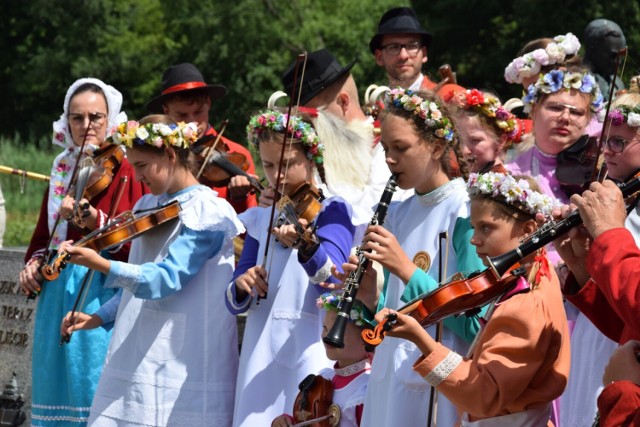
399	20
181	78
322	69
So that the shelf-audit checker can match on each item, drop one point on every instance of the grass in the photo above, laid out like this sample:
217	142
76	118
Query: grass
23	197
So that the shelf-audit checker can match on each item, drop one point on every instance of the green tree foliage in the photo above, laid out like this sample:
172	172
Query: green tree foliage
247	44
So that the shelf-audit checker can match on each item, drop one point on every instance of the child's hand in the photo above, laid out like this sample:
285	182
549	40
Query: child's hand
85	256
408	328
288	234
253	282
283	420
79	321
387	251
368	292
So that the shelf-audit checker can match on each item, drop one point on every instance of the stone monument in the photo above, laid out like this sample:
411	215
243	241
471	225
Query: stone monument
17	315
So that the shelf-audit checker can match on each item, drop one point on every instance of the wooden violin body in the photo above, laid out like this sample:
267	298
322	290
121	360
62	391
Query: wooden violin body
313	405
216	165
123	229
305	202
576	164
455	297
106	163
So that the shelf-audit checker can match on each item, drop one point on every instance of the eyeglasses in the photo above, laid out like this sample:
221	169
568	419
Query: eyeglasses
616	144
558	108
395	48
96	119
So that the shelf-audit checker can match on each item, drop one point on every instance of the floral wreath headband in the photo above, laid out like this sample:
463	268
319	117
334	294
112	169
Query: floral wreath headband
329	301
529	64
272	120
624	114
426	110
180	135
489	106
556	80
517	193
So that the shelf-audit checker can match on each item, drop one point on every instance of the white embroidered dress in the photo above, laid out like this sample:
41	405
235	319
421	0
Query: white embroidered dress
173	360
397	396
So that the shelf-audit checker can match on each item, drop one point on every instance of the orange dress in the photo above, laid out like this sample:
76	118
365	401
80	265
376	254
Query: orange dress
520	362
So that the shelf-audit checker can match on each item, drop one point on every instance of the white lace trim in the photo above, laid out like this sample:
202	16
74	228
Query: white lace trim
439	194
203	210
347	371
128	277
443	369
323	273
63	407
168	383
60	418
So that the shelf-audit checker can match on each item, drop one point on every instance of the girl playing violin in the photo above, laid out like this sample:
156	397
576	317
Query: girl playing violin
173	355
420	145
486	129
64	378
350	373
520	362
278	287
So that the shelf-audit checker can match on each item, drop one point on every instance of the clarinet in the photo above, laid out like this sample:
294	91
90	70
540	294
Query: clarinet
335	337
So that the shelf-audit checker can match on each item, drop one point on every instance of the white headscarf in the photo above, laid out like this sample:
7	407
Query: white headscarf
64	163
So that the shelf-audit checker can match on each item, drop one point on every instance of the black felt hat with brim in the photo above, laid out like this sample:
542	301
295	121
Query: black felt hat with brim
182	78
321	70
399	20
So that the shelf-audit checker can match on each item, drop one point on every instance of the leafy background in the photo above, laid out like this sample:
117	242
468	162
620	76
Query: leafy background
245	45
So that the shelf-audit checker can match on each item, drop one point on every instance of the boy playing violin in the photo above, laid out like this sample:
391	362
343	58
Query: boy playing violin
520	361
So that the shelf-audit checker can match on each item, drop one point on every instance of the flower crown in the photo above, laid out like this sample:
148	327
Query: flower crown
299	129
556	80
512	192
330	300
180	135
489	106
529	64
624	114
427	110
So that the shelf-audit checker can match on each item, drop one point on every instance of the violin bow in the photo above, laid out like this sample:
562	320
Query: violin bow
74	175
442	274
212	149
88	278
606	124
301	58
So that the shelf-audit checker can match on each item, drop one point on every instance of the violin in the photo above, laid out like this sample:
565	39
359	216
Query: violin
124	228
304	202
460	295
313	405
576	165
106	164
218	165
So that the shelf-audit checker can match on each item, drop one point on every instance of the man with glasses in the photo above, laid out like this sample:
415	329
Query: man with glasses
401	46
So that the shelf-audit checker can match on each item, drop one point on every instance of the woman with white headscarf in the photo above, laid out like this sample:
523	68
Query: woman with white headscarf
64	377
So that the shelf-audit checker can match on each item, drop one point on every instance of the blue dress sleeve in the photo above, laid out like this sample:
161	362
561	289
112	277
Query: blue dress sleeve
186	256
107	312
335	232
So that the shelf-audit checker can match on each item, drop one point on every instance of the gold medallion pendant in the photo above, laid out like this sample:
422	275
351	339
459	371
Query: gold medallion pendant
422	260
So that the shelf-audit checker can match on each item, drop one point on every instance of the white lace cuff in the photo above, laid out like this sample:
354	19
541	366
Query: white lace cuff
443	369
125	276
323	273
